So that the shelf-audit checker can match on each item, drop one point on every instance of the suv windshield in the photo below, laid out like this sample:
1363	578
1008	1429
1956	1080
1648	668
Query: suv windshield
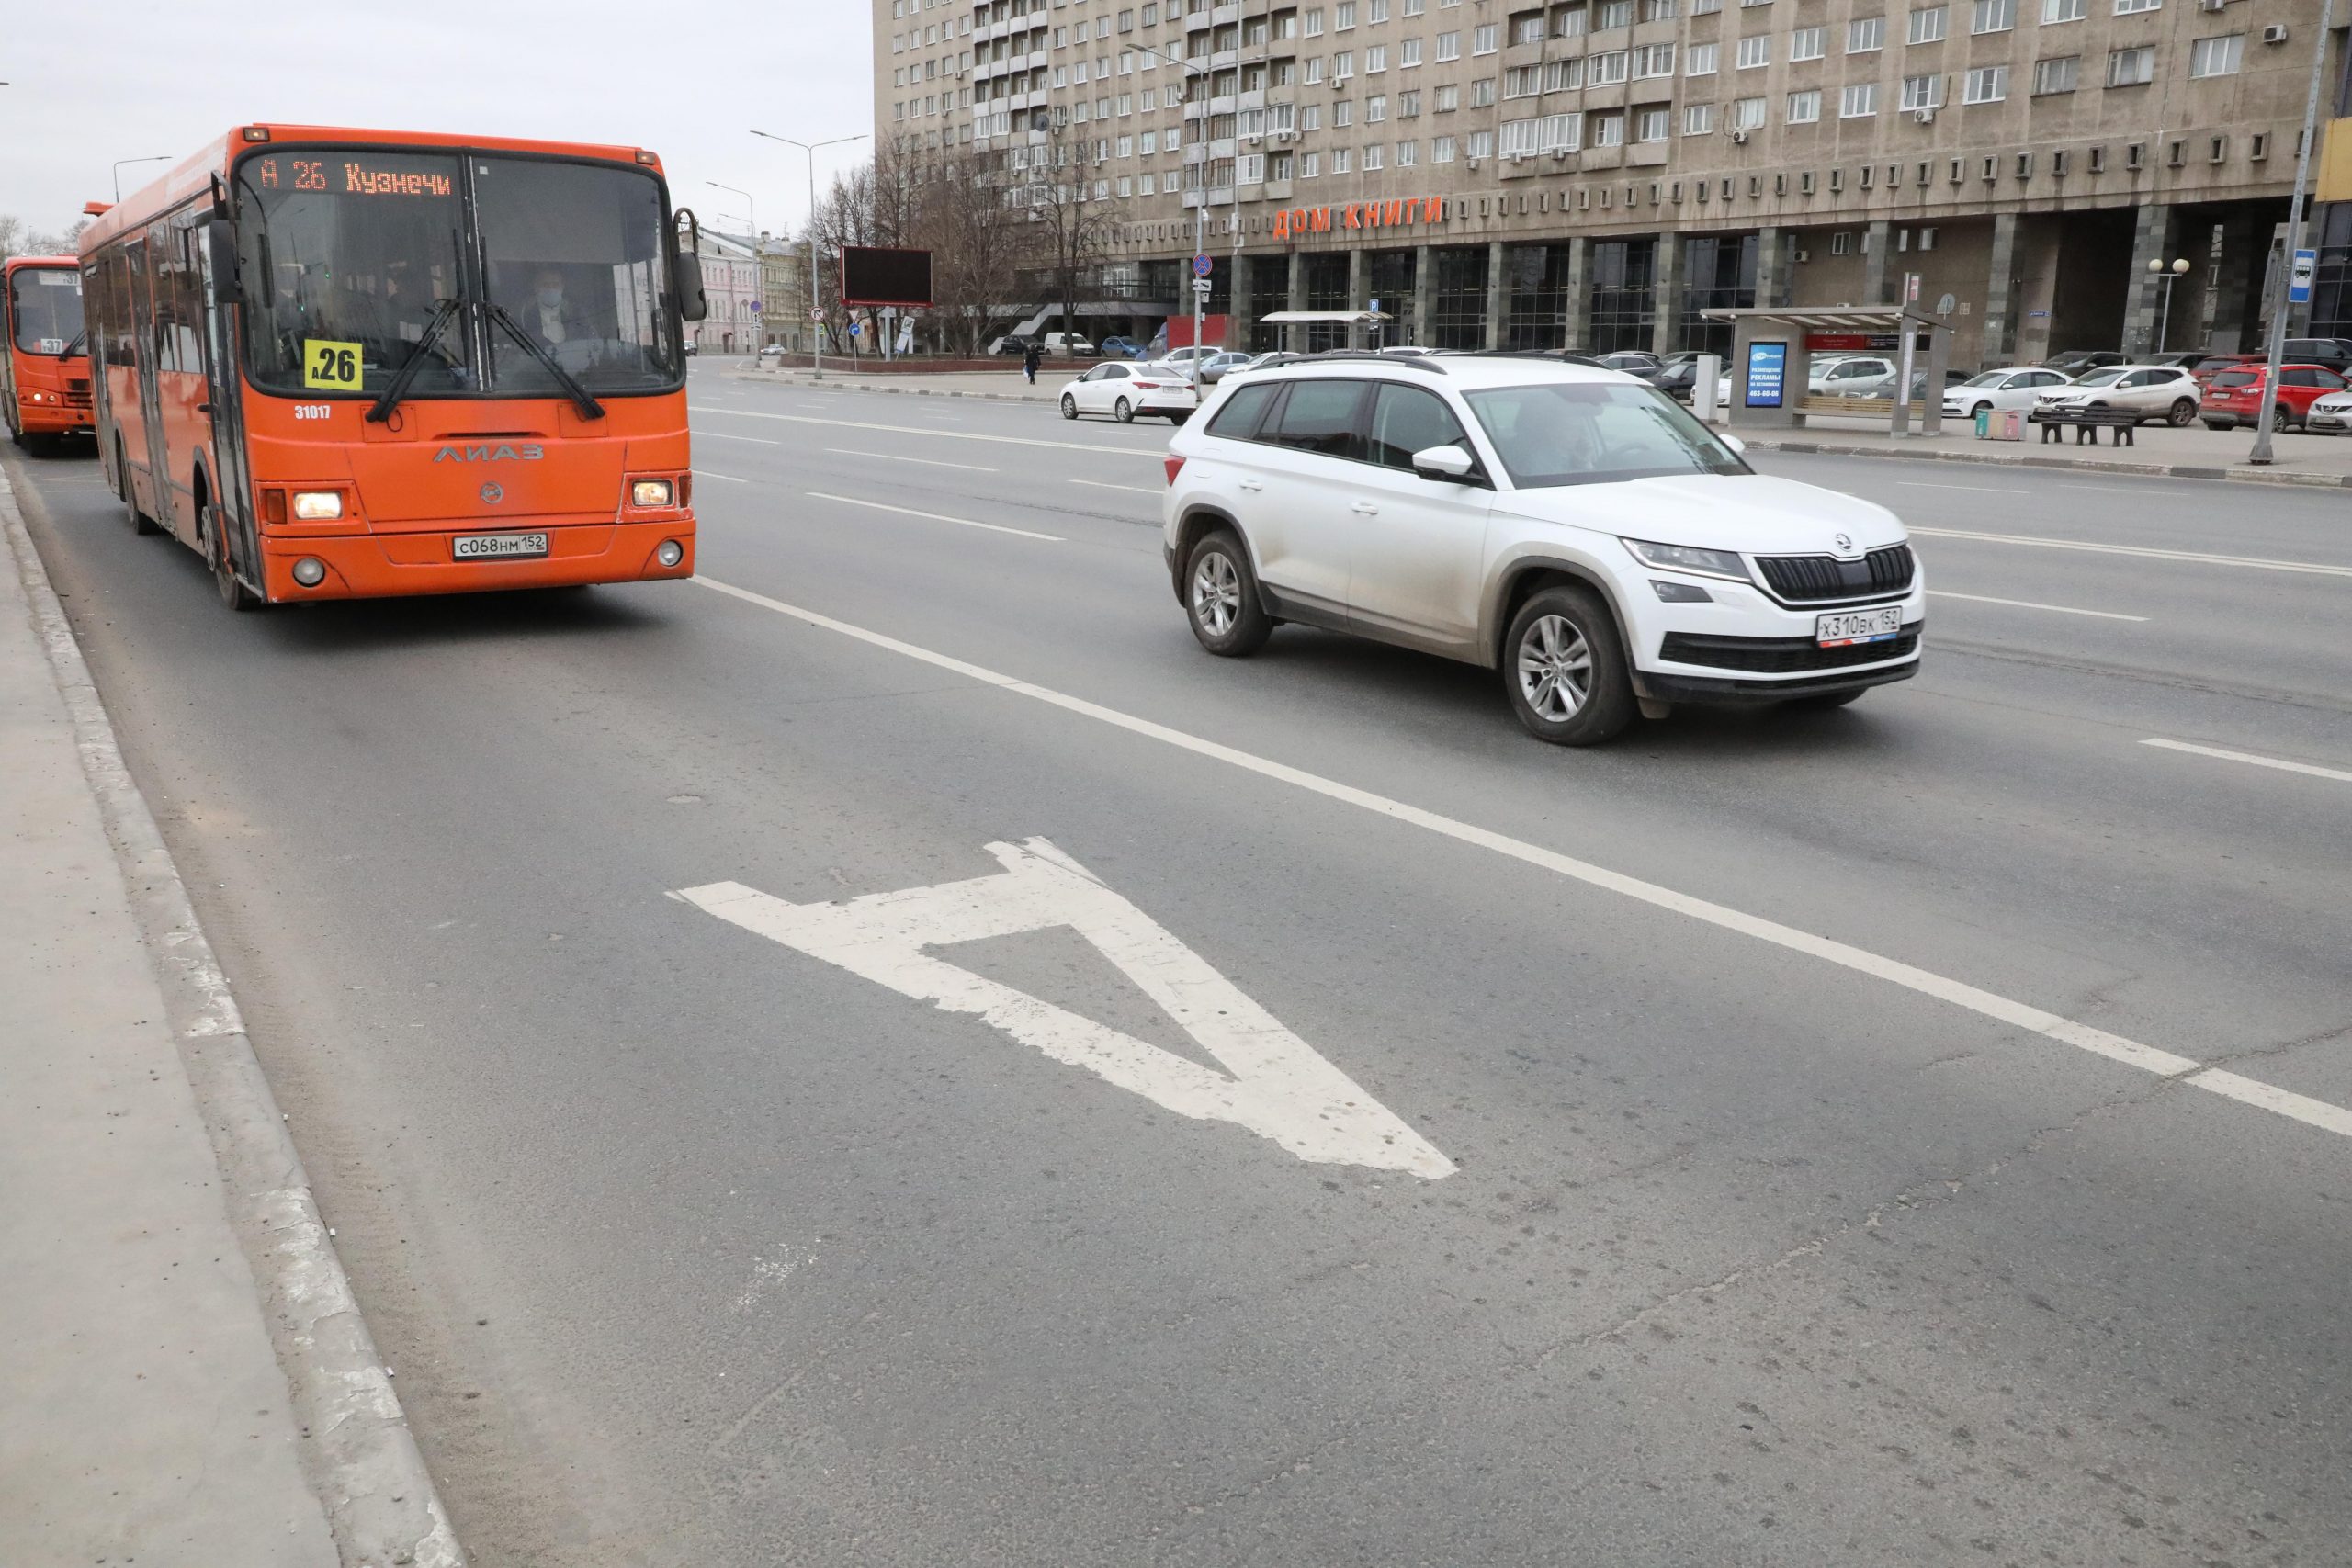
45	303
346	256
1594	432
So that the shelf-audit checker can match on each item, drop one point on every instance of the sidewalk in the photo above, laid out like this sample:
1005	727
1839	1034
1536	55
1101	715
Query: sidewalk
151	1409
2195	453
1005	385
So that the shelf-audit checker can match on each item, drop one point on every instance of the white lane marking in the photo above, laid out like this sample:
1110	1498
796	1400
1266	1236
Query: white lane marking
730	479
1154	452
894	457
1982	490
722	435
1959	993
938	517
2029	604
1278	1088
2280	762
1098	484
2195	556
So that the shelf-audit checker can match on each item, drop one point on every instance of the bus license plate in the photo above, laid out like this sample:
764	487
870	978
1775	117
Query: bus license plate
511	546
1850	626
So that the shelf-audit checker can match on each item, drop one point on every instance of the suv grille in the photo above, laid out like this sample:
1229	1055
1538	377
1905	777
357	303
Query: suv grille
1782	655
1808	578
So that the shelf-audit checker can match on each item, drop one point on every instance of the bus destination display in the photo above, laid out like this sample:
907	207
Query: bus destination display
349	176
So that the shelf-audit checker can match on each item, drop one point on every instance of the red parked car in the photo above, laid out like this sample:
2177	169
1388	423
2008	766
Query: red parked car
2234	397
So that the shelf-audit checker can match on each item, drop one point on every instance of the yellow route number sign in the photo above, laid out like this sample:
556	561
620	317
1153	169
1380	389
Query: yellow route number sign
331	365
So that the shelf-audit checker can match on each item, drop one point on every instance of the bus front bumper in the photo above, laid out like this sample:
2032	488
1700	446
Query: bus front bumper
367	566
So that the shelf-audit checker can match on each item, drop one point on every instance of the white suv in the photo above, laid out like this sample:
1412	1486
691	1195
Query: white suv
1571	527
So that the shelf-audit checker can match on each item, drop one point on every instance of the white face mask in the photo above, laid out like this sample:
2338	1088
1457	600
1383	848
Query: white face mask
551	299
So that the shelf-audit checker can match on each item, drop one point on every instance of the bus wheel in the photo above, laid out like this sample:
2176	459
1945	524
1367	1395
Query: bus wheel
140	522
233	594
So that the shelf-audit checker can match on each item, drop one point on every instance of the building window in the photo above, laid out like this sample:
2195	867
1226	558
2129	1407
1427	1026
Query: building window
1409	153
1375	108
1928	25
2064	10
2130	67
1604	68
1652	125
1448	99
1754	52
1610	13
1408	54
1922	91
1747	114
1808	43
1698	120
1483	39
1653	60
1864	34
1482	93
1858	101
1698	59
1449	47
1992	16
1609	131
1375	59
1985	84
1340	160
1528	29
2056	76
2128	7
1804	108
1373	156
1440	149
2215	56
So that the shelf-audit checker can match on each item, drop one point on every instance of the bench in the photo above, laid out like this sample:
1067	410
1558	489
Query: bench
2087	422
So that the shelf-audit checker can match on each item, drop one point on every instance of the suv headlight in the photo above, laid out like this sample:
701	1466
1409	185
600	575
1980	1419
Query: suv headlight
1686	558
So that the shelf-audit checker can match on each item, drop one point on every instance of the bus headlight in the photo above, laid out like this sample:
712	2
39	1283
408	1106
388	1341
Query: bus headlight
669	552
318	506
309	571
651	492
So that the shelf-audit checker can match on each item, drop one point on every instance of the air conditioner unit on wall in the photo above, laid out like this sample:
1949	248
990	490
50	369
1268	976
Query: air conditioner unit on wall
1739	138
1924	116
2275	33
1473	161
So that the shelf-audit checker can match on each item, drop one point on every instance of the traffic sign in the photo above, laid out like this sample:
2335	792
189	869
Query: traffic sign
2299	279
817	316
1201	286
1202	265
1375	306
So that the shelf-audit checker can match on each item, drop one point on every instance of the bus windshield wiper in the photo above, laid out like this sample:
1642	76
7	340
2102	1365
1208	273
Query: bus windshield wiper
588	407
80	341
405	377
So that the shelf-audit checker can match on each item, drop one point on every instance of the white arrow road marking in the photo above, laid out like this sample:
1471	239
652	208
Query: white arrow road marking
1278	1087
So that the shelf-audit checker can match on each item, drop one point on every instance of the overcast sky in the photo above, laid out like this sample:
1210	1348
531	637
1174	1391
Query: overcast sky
93	81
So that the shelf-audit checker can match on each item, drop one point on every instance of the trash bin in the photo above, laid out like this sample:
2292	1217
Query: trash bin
1984	424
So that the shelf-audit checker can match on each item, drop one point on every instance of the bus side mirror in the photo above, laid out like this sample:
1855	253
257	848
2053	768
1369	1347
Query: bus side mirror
221	247
692	304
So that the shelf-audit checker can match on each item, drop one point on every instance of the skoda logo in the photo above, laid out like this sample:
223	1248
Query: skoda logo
493	495
1843	542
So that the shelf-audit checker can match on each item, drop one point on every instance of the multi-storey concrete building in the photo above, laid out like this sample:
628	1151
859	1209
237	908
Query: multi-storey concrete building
1596	173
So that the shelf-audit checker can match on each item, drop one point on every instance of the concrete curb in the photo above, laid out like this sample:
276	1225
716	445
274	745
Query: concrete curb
770	378
356	1450
2084	465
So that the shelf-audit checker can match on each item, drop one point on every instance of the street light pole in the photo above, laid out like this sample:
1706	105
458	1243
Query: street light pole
2261	453
816	308
751	217
2163	320
118	163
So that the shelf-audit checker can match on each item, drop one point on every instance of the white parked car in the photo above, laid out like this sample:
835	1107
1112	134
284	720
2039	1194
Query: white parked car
1999	391
2330	415
1069	343
1124	389
2152	391
1829	376
1572	528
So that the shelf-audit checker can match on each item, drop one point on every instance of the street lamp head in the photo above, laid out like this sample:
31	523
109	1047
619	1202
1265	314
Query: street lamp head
2155	266
2180	266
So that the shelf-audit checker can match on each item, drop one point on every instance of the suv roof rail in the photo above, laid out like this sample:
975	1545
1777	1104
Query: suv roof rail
1411	361
1563	355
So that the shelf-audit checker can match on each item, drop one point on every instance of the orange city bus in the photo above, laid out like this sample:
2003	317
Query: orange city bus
45	371
341	363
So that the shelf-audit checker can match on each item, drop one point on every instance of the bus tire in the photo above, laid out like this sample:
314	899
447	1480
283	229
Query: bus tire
233	594
140	522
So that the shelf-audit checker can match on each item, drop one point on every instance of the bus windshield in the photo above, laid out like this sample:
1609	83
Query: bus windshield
45	302
347	257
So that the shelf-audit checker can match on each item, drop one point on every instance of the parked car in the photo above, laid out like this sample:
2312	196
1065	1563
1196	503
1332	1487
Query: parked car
1213	368
1633	362
2234	397
1011	342
2329	414
1567	527
1824	380
2212	365
1186	355
2075	361
1069	343
1884	386
2183	359
2153	391
772	351
1123	391
2333	352
1121	348
692	347
1998	391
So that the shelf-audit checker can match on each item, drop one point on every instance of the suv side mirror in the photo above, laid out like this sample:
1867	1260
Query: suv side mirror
693	303
1446	465
1734	442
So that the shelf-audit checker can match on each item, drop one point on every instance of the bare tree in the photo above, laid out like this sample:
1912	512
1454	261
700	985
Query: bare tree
13	238
1073	223
977	247
18	239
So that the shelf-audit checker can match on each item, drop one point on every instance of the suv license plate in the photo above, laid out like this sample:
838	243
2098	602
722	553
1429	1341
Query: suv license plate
515	546
1851	627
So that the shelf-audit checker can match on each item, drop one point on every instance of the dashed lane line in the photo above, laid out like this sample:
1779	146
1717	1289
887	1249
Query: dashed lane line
2030	604
1151	452
937	517
2194	557
2281	764
923	462
2149	1059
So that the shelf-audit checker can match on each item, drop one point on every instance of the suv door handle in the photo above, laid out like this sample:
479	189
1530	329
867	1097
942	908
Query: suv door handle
1251	484
1367	508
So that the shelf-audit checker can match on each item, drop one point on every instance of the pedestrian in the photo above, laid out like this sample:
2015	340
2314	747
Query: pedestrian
1029	359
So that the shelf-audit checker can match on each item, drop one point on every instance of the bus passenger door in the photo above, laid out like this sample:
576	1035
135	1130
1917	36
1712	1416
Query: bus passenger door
233	503
145	444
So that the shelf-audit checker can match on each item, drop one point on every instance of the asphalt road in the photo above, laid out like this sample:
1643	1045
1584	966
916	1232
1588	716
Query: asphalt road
700	1244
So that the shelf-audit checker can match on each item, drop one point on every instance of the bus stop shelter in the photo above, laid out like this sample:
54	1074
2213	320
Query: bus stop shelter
1351	320
1773	348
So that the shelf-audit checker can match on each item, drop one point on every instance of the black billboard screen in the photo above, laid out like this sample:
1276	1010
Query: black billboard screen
872	275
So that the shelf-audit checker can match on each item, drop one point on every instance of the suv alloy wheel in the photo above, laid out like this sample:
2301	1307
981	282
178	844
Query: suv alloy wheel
1563	668
1221	598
